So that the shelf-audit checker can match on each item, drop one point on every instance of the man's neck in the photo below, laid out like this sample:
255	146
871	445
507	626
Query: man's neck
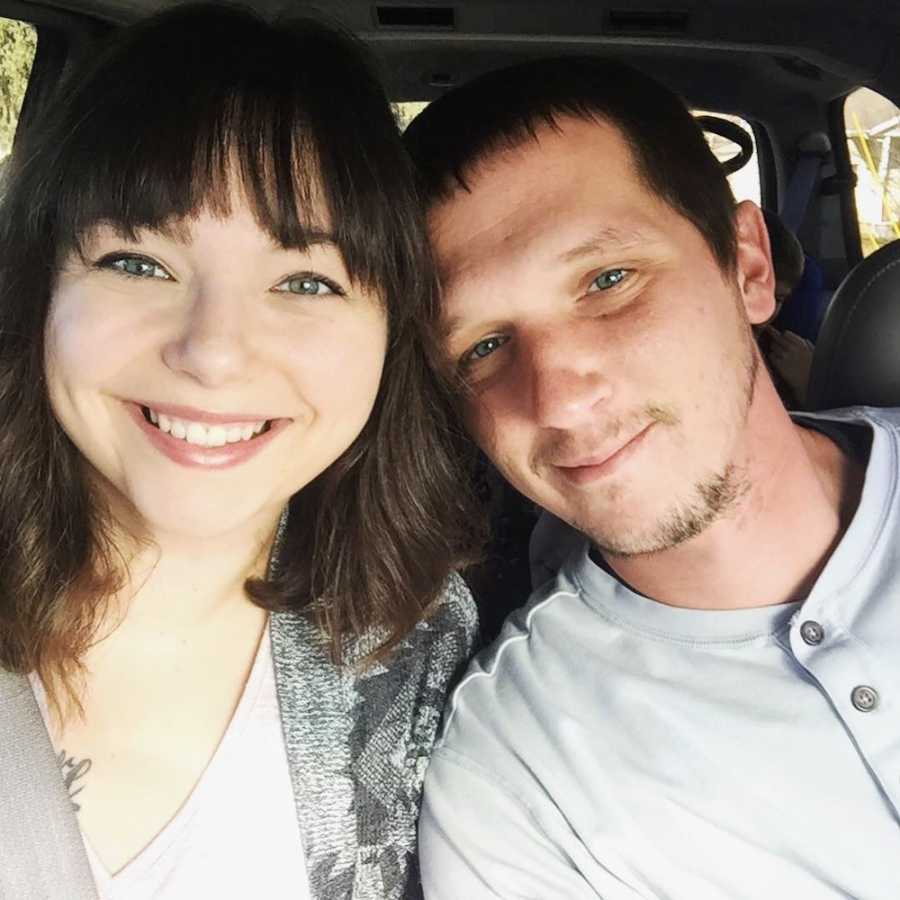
771	548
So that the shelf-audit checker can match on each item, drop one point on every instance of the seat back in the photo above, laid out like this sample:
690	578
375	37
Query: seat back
857	355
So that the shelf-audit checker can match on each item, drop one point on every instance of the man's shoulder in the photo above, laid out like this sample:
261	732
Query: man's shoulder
509	667
868	433
885	416
552	543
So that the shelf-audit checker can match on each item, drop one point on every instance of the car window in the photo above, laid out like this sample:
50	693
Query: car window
18	44
872	124
744	183
406	112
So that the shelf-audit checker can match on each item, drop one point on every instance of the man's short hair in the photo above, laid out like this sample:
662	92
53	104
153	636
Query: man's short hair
503	109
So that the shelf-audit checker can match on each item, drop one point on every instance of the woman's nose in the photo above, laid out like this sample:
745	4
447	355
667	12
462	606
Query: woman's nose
212	344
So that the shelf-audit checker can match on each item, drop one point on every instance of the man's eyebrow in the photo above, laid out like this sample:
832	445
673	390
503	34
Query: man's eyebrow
447	328
615	238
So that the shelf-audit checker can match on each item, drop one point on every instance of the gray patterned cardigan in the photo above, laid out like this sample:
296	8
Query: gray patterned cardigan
358	743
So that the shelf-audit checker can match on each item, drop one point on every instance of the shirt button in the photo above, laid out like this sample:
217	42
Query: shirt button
812	632
864	698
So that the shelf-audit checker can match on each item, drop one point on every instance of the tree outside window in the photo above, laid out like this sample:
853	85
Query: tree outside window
872	123
18	43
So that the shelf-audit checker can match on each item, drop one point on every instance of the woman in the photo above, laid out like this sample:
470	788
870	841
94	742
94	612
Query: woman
225	494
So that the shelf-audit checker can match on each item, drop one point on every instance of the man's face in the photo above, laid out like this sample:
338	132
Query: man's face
608	360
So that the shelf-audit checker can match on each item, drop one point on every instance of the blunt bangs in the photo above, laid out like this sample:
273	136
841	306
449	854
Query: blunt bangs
289	118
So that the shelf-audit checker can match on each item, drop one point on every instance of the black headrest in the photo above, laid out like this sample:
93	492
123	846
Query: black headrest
857	356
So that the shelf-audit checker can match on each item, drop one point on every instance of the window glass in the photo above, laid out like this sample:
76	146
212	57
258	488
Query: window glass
744	183
406	112
872	123
18	43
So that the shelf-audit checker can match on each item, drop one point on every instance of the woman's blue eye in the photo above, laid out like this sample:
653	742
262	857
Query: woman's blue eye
308	286
134	266
610	278
486	347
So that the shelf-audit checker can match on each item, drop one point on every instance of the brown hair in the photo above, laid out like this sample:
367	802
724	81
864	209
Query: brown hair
368	543
502	109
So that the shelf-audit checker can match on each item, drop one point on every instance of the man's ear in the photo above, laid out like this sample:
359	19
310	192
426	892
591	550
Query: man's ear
755	273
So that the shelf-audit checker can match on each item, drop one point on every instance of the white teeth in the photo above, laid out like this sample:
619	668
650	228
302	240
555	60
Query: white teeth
217	436
205	435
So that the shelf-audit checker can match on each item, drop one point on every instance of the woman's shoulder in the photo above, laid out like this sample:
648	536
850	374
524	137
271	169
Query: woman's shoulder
358	736
410	683
452	620
441	641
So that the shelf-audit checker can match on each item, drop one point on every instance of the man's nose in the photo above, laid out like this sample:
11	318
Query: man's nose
212	345
568	380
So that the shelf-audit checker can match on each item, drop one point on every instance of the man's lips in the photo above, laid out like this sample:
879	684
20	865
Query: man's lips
590	468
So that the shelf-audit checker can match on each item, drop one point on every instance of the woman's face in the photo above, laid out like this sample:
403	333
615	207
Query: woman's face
207	374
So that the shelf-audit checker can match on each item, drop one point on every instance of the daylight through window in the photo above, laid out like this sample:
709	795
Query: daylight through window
873	137
18	43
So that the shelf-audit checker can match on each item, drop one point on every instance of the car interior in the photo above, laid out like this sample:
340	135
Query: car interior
799	100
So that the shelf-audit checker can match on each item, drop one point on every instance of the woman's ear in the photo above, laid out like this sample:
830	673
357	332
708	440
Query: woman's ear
755	273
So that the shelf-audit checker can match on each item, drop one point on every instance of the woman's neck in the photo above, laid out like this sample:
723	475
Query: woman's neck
177	583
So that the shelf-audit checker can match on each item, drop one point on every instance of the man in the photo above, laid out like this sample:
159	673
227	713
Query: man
703	702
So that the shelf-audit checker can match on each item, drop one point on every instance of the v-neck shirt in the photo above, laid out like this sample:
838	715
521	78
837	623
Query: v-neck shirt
236	835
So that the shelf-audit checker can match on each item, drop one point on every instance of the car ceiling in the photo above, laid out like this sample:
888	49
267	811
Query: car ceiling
738	55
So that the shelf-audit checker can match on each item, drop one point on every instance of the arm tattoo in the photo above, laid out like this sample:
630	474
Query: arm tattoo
72	771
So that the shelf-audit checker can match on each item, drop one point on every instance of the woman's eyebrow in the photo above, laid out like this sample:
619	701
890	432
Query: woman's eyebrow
308	238
318	236
181	231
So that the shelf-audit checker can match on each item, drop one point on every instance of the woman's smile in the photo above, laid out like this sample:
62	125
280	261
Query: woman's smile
205	440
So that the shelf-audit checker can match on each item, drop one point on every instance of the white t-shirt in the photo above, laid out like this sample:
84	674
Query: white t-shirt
609	747
236	836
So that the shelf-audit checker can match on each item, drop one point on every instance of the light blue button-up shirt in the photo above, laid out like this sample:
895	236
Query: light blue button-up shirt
611	746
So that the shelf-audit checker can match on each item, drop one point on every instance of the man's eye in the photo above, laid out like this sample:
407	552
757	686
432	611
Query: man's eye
134	266
308	286
609	279
485	348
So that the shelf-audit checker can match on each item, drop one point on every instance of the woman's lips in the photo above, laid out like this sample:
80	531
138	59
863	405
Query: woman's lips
191	455
191	413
